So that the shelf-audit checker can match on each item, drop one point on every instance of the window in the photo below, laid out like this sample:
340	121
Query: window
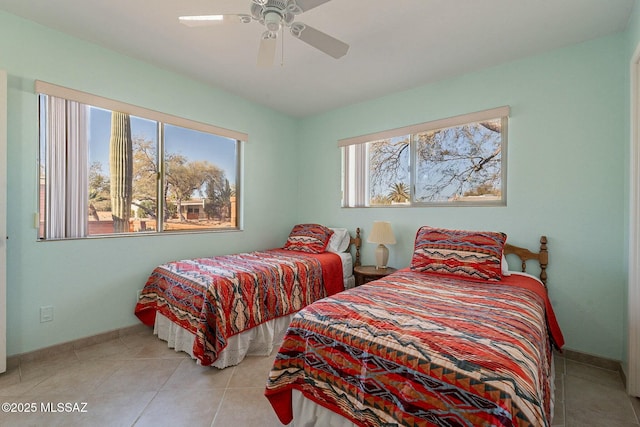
109	168
455	161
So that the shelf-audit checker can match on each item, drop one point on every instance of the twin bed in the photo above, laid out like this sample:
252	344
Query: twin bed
220	309
455	339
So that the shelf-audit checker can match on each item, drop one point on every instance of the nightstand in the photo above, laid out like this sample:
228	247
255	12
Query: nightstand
367	273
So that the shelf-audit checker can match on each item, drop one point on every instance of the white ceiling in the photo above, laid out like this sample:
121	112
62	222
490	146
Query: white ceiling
394	45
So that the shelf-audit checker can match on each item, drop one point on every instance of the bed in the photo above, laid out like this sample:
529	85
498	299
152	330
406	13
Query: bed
223	308
455	339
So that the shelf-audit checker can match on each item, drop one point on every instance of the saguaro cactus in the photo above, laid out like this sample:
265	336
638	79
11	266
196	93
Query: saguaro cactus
121	169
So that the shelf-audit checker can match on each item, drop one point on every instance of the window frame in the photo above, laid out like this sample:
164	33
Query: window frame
162	119
355	185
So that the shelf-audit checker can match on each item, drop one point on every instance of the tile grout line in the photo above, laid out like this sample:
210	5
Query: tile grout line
144	409
224	394
633	408
563	371
564	390
157	392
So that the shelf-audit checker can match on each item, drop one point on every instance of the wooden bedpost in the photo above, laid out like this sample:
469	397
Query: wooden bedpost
544	259
358	243
525	254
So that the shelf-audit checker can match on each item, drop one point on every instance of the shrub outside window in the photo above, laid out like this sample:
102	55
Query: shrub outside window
124	170
455	161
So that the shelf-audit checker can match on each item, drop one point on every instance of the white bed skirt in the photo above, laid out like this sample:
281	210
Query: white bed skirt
307	413
258	341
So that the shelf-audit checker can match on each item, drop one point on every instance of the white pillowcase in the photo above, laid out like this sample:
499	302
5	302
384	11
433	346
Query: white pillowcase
339	241
505	266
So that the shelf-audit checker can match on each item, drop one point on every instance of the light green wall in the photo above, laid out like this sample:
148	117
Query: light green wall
92	284
566	175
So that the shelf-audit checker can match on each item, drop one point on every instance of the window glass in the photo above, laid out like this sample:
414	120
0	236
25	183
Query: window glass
200	180
389	171
456	161
105	172
460	163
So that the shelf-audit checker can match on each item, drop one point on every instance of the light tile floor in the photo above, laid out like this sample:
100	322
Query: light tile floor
136	380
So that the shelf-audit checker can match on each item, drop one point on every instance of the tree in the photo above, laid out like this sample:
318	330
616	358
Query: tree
224	199
388	163
186	178
219	193
145	176
182	179
99	186
449	163
399	193
121	170
458	160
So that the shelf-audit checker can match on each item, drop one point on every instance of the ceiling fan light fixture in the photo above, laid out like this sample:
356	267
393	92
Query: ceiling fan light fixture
273	21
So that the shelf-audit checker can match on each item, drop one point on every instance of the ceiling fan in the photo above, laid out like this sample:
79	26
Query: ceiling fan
275	15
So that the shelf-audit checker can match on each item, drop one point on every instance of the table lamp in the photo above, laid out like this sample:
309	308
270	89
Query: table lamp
381	233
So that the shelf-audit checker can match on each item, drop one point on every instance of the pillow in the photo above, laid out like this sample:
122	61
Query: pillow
505	266
339	241
312	238
468	254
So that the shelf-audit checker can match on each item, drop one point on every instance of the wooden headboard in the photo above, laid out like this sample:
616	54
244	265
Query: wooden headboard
525	254
357	242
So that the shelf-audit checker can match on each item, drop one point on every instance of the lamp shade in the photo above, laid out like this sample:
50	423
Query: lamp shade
381	233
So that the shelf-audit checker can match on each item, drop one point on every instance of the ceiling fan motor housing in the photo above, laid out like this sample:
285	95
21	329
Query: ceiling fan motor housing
272	14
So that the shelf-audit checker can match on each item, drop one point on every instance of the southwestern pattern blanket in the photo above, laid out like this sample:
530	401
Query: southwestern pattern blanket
420	349
215	298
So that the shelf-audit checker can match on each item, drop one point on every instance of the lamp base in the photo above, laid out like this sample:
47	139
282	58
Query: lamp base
382	256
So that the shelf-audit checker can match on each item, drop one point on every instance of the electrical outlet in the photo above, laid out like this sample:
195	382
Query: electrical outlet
46	313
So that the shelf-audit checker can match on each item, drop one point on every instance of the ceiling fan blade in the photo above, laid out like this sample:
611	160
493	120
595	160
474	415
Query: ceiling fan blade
206	20
304	5
321	41
267	50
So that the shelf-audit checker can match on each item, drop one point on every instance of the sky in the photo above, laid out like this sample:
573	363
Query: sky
194	145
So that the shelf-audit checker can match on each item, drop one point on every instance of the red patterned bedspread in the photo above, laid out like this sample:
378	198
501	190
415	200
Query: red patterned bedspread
417	349
215	298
